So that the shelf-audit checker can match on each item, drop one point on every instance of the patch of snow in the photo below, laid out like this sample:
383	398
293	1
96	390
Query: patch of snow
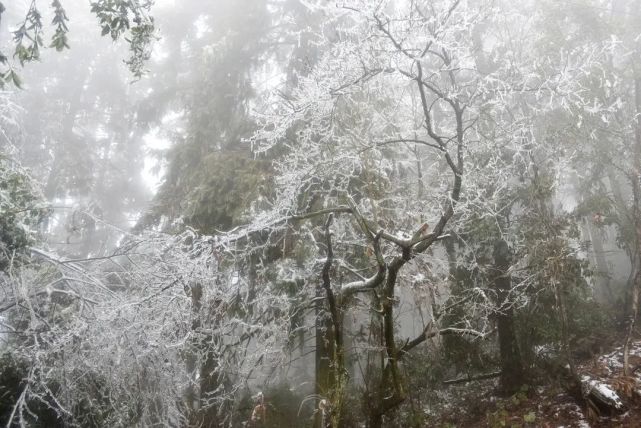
544	350
613	360
604	390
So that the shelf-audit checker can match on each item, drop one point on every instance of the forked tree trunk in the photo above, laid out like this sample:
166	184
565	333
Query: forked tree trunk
331	376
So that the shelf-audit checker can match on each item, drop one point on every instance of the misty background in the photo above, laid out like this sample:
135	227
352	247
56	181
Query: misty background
307	213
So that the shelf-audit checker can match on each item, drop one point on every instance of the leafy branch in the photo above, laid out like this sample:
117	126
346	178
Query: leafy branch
128	19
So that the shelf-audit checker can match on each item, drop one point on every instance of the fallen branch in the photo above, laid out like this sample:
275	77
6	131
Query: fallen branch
599	398
429	332
469	378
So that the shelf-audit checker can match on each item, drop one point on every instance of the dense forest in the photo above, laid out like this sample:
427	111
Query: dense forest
310	213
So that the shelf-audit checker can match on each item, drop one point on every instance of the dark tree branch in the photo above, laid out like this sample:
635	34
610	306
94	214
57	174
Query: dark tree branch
396	43
472	378
367	75
306	216
409	140
428	333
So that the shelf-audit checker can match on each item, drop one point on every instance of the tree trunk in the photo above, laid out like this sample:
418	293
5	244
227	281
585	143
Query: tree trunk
635	178
511	366
602	271
331	377
324	351
191	356
202	365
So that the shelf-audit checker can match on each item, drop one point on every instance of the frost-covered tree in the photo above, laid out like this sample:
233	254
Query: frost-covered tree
157	333
21	200
400	115
610	143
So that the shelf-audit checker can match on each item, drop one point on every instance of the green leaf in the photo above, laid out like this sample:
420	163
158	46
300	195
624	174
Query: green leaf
530	417
16	79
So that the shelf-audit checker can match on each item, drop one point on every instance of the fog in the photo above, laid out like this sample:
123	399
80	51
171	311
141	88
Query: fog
275	213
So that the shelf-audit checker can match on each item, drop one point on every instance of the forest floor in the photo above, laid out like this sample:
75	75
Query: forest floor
548	406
